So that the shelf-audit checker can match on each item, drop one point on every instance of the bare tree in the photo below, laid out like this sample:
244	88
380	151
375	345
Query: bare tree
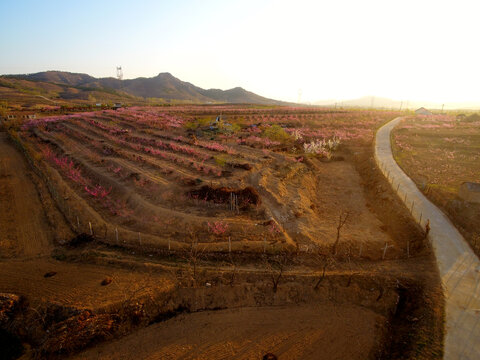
233	274
342	220
276	266
193	255
352	264
323	260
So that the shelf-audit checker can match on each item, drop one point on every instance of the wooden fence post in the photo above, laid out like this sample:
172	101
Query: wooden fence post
385	250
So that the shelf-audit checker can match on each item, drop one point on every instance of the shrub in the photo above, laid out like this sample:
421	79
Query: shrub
191	125
277	133
220	160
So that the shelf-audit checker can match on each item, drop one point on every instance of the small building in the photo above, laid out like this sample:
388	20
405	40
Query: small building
470	191
116	106
423	111
20	115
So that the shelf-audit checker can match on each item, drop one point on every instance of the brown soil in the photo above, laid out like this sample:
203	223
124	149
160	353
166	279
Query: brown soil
388	208
76	285
25	231
290	332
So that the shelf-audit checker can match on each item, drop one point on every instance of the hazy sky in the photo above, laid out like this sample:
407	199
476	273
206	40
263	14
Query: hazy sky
422	49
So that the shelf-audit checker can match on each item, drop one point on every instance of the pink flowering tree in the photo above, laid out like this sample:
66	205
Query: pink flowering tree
217	227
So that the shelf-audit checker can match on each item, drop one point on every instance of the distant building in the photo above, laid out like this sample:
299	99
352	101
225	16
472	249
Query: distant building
20	115
116	106
470	192
423	111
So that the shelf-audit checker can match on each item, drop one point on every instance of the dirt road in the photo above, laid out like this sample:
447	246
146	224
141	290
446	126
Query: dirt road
24	230
459	267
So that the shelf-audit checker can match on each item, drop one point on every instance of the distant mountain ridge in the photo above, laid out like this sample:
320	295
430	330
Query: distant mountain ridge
164	86
386	103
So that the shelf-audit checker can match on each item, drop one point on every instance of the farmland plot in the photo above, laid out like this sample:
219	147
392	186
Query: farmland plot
440	153
246	179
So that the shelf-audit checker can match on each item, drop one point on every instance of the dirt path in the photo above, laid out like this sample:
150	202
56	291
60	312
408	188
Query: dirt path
459	267
24	229
307	332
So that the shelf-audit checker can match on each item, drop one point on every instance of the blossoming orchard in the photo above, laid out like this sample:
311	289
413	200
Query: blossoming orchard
161	174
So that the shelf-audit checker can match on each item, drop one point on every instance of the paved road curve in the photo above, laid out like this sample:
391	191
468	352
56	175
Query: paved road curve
459	267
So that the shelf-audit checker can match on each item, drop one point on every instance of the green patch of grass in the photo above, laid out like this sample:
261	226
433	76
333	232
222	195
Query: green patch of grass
220	160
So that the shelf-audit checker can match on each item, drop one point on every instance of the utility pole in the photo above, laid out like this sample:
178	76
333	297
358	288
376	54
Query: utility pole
119	73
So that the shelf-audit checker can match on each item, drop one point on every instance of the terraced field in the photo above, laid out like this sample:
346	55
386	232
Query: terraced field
241	177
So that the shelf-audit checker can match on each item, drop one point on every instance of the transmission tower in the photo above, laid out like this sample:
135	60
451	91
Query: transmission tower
119	73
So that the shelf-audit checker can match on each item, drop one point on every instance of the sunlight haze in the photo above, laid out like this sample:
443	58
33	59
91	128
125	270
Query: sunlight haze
409	50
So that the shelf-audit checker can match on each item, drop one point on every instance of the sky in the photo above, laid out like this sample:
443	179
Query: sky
287	50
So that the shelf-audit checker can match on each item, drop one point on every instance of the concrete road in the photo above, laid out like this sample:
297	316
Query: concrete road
459	267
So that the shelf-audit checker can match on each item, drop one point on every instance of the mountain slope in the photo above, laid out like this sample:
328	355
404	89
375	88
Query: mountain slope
163	86
58	77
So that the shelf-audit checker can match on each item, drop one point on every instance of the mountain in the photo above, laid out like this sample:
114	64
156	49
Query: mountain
58	77
164	87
